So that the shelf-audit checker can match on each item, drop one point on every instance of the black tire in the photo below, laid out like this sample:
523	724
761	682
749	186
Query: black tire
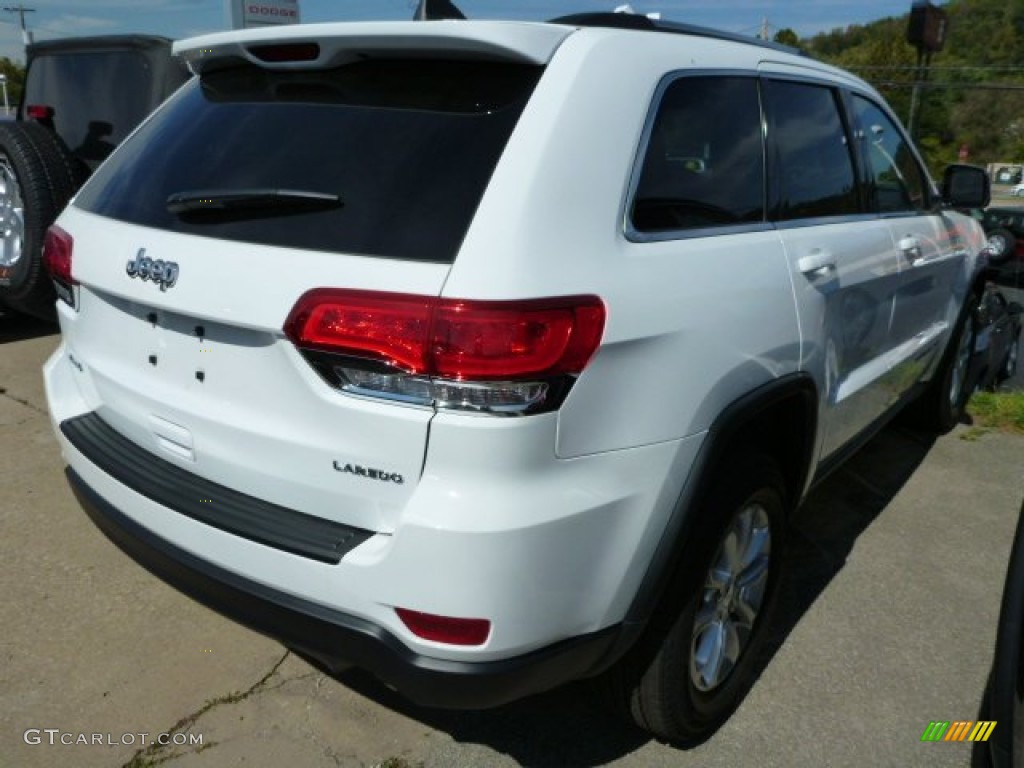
37	178
669	684
942	405
1009	369
1002	244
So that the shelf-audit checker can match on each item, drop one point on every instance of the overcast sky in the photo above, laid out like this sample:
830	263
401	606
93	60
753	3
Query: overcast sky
183	18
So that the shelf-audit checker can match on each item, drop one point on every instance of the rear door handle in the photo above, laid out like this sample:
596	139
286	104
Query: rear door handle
817	263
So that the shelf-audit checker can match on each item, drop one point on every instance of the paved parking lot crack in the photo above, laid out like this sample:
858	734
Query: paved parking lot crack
157	753
21	401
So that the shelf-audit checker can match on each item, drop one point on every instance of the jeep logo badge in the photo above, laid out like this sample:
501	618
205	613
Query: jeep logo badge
163	273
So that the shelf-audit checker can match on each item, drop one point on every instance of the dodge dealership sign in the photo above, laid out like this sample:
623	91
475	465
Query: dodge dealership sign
261	13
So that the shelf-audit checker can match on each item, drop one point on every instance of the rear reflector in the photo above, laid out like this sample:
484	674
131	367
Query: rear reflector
452	338
445	629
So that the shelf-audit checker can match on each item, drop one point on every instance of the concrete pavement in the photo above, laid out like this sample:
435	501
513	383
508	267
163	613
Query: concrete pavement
888	620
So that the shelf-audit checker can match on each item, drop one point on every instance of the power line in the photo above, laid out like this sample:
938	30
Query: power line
21	10
893	67
933	84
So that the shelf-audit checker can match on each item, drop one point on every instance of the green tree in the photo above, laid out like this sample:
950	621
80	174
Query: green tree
15	74
787	37
968	98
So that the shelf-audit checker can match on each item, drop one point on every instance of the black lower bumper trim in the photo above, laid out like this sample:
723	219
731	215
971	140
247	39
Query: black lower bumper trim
339	639
200	499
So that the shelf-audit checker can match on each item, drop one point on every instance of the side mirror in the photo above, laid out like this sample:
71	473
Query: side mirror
966	186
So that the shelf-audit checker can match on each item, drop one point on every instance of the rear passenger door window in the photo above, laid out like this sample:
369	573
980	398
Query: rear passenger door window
814	166
703	164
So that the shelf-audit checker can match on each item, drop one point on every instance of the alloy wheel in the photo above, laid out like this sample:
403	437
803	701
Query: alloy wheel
12	216
733	596
960	365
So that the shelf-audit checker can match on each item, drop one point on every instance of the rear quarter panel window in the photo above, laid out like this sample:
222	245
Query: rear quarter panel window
703	165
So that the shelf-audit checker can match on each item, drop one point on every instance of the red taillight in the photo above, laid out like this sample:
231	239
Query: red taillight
39	112
452	338
57	248
445	629
392	328
499	340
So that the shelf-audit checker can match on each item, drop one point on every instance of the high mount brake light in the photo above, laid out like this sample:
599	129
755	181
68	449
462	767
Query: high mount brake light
500	356
280	52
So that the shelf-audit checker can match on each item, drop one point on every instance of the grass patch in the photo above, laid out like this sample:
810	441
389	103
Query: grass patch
998	410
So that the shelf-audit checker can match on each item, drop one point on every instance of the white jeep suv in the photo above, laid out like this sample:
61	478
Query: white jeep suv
488	355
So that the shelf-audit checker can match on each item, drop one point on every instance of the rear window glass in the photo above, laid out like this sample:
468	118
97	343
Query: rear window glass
408	146
96	98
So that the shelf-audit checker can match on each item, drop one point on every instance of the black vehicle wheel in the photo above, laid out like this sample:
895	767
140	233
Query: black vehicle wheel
942	405
1001	245
37	178
1009	369
700	656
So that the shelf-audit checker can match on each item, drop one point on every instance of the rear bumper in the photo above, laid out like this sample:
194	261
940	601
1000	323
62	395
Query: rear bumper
338	639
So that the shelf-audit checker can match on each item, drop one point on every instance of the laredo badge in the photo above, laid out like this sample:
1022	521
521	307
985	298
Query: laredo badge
369	473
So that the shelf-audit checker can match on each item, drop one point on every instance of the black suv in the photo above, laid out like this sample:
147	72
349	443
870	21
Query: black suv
82	96
1004	228
1008	175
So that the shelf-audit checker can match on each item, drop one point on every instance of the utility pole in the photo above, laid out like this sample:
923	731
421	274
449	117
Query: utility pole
926	31
21	10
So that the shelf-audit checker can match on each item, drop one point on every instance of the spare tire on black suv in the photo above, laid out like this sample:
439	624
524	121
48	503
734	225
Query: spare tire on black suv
82	97
37	178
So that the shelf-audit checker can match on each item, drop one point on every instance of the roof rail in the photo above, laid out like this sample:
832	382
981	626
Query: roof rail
639	22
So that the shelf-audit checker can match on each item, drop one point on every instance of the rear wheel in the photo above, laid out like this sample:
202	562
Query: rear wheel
1009	369
942	405
37	178
700	657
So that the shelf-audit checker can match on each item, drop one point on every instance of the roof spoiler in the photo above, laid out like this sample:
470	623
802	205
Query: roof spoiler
431	10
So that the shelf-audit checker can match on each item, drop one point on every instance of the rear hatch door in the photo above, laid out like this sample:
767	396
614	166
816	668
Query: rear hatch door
258	182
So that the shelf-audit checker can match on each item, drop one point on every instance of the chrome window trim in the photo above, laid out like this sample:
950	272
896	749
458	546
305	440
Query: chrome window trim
689	234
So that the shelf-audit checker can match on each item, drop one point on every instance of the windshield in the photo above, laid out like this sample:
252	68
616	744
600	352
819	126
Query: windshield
95	98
